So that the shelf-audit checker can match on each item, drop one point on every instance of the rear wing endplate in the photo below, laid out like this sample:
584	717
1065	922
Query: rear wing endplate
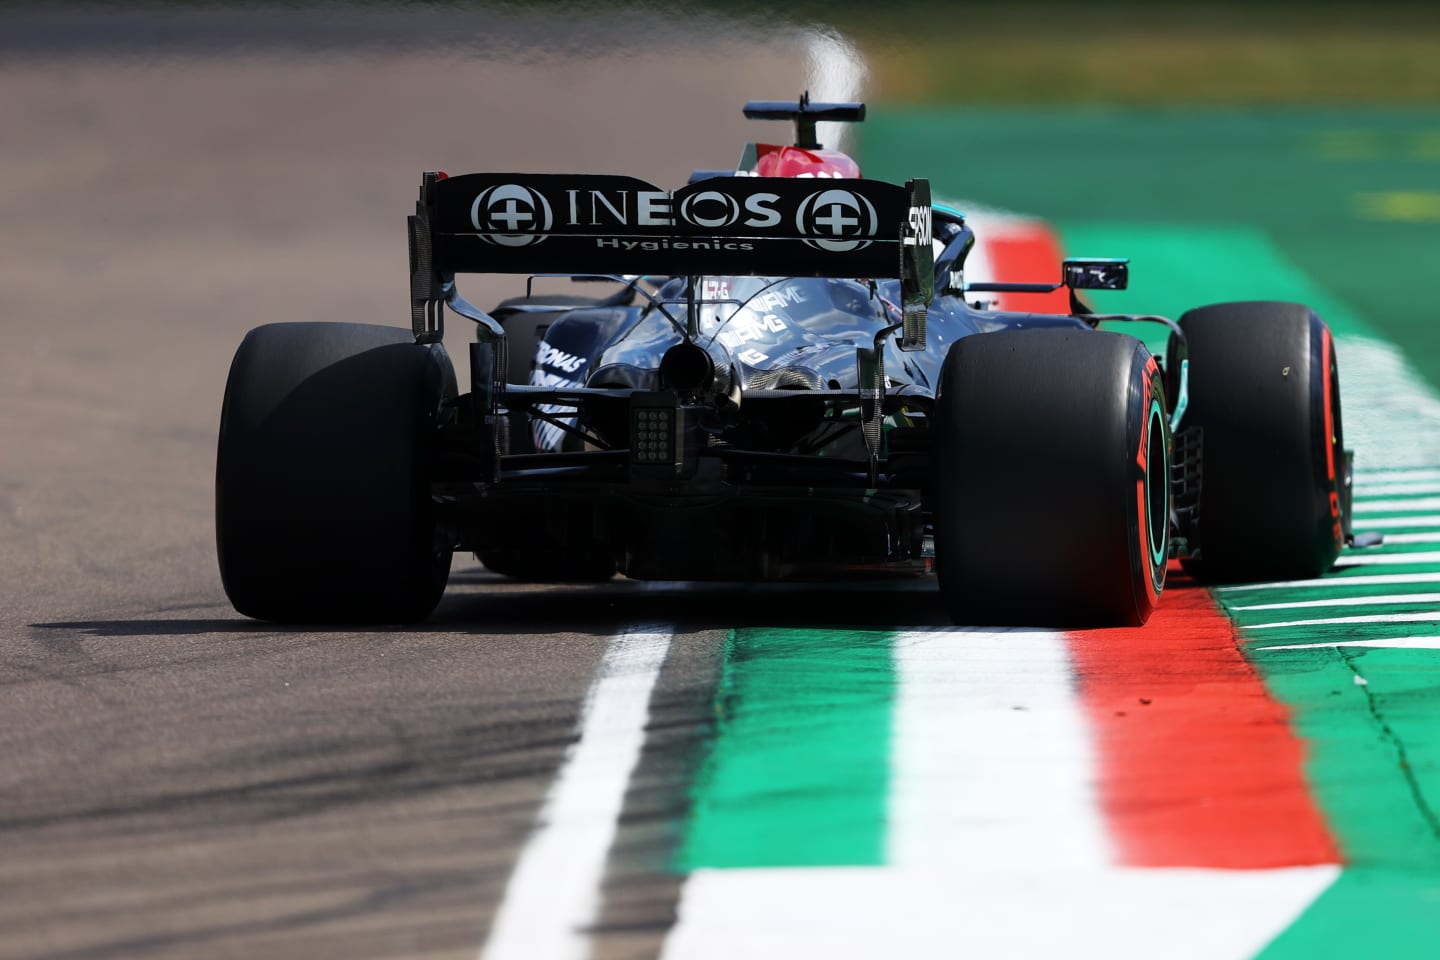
727	226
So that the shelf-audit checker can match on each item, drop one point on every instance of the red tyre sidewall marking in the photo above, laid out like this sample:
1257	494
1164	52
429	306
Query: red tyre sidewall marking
1144	521
1327	348
1155	579
1199	766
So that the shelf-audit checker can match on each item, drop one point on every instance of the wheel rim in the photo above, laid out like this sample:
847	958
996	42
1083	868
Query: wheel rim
1157	493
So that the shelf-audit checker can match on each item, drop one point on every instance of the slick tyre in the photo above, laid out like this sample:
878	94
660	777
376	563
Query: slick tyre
1265	391
1051	492
322	498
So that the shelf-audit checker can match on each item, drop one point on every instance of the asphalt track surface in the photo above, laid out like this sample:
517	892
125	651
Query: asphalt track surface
180	781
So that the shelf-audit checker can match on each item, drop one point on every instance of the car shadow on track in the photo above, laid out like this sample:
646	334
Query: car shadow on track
479	602
495	605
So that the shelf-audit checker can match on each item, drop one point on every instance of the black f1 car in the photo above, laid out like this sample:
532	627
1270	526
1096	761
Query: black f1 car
786	379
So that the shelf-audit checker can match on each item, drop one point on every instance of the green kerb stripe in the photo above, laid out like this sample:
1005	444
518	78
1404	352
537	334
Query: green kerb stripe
798	774
1174	267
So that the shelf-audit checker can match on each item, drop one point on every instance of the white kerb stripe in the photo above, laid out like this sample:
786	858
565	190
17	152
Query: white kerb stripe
1371	490
1395	505
1422	617
1432	536
1335	583
1026	909
1392	419
554	892
1393	643
1374	600
996	846
991	757
1379	475
1397	523
1361	558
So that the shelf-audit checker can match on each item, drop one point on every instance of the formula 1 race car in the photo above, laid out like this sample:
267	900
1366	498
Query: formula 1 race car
785	379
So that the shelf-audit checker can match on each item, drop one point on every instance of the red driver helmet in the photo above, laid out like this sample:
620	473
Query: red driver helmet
778	161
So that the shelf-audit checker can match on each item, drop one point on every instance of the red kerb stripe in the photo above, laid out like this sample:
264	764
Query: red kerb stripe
1026	251
1199	766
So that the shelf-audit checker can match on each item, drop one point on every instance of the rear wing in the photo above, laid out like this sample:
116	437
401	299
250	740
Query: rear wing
727	226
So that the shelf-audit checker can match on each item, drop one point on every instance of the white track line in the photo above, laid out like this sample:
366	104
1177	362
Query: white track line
1421	617
992	763
1361	559
1334	583
554	893
1394	643
1392	599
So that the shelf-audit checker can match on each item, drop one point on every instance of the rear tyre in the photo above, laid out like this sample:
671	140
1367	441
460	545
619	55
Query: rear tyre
1051	493
322	496
1265	390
